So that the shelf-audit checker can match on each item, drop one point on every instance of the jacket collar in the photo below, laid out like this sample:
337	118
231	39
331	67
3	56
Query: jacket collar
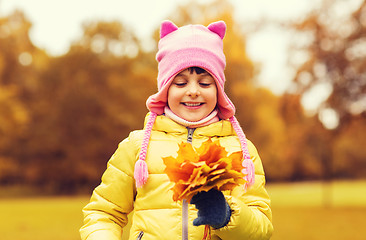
219	129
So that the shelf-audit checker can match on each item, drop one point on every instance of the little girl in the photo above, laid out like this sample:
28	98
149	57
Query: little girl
190	106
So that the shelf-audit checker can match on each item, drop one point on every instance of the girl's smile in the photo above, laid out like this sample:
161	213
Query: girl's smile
192	96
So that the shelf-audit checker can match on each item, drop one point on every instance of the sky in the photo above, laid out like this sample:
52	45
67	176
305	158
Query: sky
55	24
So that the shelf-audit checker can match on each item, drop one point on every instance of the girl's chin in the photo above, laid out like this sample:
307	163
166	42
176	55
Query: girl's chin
192	118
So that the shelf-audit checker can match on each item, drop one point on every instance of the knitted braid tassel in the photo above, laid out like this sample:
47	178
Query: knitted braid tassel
247	163
141	173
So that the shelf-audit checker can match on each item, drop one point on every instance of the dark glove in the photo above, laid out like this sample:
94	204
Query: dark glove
212	208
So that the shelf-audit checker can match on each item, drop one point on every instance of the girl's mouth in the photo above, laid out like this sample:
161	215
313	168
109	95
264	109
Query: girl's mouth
192	104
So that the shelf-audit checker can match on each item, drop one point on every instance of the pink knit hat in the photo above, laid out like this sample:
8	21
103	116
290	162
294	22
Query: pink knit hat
191	46
179	49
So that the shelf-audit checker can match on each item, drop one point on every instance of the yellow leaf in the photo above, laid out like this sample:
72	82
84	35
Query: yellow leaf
202	169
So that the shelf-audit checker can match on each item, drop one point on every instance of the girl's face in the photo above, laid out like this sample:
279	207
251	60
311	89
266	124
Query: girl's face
192	96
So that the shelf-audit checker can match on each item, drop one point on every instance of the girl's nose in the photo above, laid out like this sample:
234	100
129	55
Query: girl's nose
193	90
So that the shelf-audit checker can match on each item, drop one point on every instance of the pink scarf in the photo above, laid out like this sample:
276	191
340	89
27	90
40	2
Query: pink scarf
211	118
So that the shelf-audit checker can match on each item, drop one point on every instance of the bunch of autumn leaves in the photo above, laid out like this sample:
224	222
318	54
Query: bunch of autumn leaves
202	169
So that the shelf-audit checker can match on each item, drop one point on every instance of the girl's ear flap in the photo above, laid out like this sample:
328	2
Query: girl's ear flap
219	28
167	27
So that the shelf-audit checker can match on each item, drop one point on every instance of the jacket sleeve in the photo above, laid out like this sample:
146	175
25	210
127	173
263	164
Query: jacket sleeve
251	216
106	213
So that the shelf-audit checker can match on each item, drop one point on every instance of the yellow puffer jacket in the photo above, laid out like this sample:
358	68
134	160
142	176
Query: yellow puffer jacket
156	215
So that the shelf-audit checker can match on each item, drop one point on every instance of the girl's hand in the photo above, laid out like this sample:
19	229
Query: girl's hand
212	208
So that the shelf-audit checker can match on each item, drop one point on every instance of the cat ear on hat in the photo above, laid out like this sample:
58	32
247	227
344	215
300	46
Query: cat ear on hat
167	27
218	27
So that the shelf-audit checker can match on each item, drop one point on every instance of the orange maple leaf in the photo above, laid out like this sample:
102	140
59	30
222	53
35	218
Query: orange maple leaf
207	167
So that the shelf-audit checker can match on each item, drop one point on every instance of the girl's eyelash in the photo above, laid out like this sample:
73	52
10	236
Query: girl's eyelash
205	84
183	83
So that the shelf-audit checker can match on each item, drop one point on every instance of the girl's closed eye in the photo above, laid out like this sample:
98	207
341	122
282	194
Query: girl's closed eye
180	84
205	84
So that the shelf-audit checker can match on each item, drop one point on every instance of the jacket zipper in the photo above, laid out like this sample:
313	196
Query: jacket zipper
190	135
185	203
139	237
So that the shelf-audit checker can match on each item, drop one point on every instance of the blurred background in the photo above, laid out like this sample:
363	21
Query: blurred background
75	75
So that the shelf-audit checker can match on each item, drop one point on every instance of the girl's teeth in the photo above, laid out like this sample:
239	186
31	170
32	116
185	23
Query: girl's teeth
192	104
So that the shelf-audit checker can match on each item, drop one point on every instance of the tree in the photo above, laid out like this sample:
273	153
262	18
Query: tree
336	34
349	150
307	148
109	38
87	102
19	63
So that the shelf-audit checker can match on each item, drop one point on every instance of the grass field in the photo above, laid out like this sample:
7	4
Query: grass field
313	211
299	212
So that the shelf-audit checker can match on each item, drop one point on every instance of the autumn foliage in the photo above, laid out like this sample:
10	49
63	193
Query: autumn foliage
203	169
